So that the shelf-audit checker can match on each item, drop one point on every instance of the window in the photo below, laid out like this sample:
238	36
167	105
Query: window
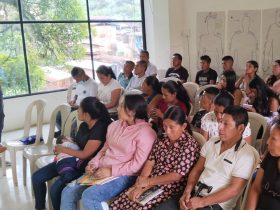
41	40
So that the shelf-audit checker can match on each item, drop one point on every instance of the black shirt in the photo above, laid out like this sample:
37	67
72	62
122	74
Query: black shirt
84	134
203	78
180	73
270	196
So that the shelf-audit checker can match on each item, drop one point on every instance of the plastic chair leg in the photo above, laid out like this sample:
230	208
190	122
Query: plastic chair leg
24	170
14	166
3	161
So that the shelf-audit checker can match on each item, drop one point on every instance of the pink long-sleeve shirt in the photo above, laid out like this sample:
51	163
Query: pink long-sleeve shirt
126	149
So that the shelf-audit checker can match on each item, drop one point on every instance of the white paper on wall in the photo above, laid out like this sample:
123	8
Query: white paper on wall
244	37
271	39
210	37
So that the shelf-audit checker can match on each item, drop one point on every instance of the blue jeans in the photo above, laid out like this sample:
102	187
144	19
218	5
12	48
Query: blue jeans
93	196
39	179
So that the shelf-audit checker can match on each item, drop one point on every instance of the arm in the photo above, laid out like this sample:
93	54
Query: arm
237	97
192	180
234	188
255	191
205	134
90	148
239	81
144	143
115	96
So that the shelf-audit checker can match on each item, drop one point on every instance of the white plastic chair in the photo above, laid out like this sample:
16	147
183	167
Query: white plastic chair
15	145
45	160
191	88
32	153
199	138
166	79
257	122
3	162
197	96
70	90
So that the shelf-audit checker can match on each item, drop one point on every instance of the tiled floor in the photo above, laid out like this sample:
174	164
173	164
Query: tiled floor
16	198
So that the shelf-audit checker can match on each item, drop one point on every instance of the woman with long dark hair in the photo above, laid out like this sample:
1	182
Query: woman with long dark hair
129	141
167	171
227	83
90	138
109	89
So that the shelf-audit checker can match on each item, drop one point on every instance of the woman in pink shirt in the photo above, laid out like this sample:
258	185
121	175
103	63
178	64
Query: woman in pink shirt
129	141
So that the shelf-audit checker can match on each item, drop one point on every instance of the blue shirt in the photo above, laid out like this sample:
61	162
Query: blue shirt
123	80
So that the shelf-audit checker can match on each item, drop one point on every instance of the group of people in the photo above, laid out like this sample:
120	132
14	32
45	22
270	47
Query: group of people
145	140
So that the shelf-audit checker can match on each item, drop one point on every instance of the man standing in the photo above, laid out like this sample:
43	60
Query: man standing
206	75
177	71
151	68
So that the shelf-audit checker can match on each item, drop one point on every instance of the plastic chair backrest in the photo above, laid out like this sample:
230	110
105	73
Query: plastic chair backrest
191	88
199	138
197	96
39	105
166	79
257	122
64	110
243	198
68	124
70	90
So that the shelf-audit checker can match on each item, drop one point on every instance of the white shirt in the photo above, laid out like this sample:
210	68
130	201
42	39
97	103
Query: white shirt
105	91
220	168
135	82
85	89
151	69
210	124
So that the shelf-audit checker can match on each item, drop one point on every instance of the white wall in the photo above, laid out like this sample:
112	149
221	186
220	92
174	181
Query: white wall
179	22
14	108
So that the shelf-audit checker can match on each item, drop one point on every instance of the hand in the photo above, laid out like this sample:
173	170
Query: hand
184	200
58	149
90	169
195	203
103	173
142	182
134	193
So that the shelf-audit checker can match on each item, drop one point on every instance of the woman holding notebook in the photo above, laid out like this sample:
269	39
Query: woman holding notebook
129	141
171	159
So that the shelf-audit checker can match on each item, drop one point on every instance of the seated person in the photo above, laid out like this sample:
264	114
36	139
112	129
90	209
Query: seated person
90	138
109	89
263	100
126	75
129	141
206	75
151	69
177	71
225	165
210	121
265	191
85	86
227	82
151	91
206	105
137	80
173	93
180	150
